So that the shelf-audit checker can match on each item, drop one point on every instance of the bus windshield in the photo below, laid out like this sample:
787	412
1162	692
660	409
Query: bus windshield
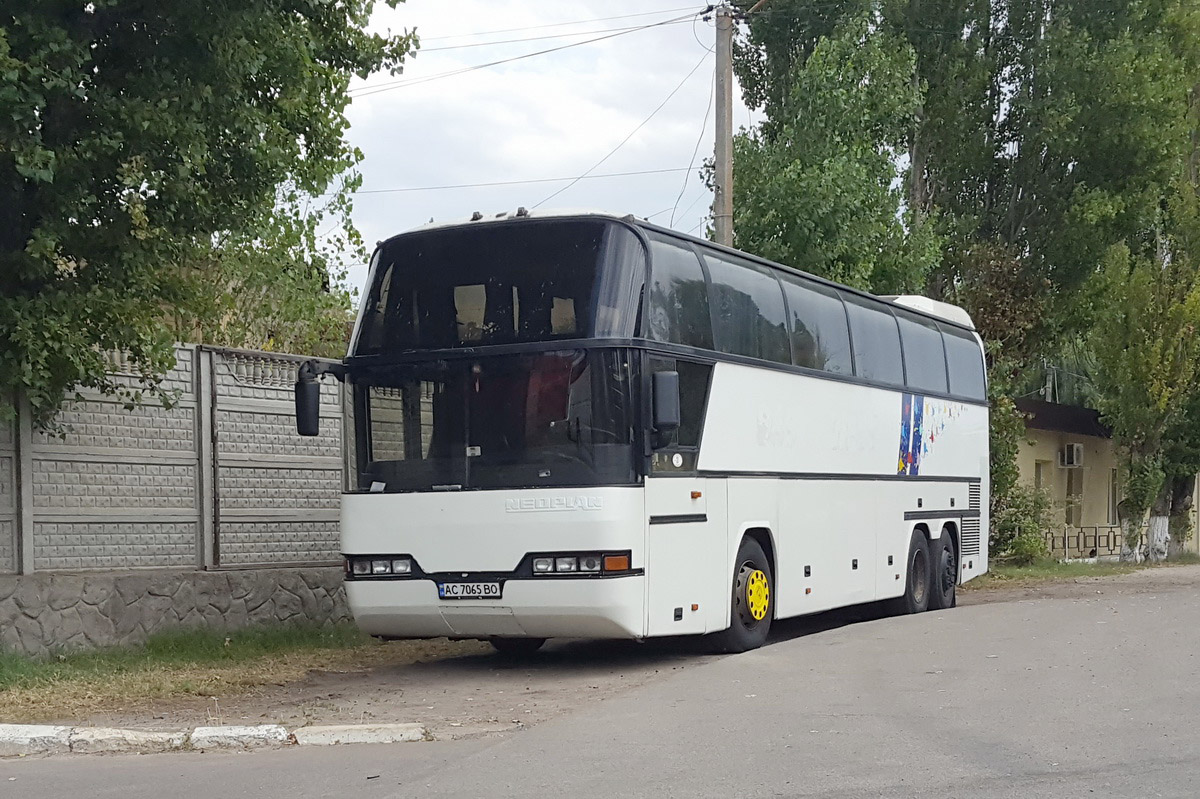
562	418
503	283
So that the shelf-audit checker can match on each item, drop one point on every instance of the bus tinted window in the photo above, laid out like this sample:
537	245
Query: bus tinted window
678	307
747	305
820	339
924	356
965	358
876	342
502	283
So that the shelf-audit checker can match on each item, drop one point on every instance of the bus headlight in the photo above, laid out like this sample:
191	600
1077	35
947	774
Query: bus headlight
580	564
381	566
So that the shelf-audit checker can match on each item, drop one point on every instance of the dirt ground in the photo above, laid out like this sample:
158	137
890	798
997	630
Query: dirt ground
463	689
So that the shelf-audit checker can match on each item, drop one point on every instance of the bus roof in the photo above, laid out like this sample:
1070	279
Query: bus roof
926	306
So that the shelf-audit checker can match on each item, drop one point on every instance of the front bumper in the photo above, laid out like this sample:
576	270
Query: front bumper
610	607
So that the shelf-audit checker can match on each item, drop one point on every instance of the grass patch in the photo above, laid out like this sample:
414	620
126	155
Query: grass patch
1049	570
175	664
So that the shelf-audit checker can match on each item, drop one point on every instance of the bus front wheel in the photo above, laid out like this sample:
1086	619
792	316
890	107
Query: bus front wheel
918	583
517	647
753	595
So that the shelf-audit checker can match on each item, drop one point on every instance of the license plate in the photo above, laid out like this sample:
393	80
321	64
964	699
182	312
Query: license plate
469	590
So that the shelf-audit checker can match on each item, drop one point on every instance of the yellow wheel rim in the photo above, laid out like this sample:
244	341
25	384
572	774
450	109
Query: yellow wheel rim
758	595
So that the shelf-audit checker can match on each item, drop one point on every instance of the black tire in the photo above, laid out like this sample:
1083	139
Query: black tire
752	607
517	647
944	563
918	578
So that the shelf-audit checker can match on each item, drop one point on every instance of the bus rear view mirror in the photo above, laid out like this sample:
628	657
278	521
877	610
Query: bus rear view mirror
666	405
308	394
308	406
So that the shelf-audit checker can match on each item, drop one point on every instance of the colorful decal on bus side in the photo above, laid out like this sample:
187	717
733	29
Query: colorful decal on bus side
922	423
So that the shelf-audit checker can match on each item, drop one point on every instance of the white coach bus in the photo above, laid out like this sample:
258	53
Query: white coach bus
590	426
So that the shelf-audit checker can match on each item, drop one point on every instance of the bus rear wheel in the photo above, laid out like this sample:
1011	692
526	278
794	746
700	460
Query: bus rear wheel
918	581
517	647
945	573
753	595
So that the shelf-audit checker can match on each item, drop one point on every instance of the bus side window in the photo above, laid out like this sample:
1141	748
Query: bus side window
876	342
747	309
924	355
820	339
693	397
967	376
678	296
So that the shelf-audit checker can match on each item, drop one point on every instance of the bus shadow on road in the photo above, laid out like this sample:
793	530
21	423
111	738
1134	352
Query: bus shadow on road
585	655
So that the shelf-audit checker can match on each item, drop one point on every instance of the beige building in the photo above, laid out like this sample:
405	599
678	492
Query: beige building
1069	454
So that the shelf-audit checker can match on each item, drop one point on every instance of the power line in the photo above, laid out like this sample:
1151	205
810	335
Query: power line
556	24
708	106
523	182
594	166
366	91
692	204
536	38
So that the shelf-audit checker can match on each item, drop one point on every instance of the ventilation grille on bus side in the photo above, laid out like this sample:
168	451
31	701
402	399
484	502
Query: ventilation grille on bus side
973	496
970	536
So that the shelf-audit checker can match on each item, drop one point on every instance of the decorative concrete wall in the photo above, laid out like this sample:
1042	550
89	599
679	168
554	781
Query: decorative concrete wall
132	520
48	613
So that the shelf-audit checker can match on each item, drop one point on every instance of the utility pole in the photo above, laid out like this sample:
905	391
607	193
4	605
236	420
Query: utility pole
723	199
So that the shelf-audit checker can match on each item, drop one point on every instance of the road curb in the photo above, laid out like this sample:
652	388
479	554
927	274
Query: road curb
22	740
258	736
33	739
359	734
97	740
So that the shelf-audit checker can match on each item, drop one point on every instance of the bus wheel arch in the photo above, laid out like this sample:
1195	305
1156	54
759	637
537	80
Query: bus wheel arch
943	593
918	575
763	536
752	596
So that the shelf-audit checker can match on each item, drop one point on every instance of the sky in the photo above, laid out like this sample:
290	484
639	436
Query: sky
548	116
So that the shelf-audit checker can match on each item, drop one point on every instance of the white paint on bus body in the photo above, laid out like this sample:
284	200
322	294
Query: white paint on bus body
830	496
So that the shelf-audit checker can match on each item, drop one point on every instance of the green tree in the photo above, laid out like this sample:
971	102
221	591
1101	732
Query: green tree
1047	133
1147	346
819	186
142	152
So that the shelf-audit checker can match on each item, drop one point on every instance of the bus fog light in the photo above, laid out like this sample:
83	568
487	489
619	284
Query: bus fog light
381	567
566	564
360	566
589	563
616	563
543	565
402	566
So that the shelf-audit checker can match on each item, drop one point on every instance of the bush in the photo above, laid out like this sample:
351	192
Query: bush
1019	521
1027	548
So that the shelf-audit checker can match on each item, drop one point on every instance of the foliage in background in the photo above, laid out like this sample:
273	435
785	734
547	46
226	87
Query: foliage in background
1046	135
276	284
142	151
1147	341
819	187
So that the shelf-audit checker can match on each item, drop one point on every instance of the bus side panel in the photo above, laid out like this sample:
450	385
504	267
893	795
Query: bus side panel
817	533
685	556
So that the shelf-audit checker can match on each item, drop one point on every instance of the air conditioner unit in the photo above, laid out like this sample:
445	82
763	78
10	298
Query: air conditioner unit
1071	456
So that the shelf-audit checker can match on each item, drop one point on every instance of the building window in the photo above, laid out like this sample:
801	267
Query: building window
1074	516
1041	475
1114	496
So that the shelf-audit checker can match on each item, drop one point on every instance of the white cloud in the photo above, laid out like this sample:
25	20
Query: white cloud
547	116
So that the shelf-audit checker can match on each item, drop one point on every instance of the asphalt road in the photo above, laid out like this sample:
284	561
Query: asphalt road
1083	696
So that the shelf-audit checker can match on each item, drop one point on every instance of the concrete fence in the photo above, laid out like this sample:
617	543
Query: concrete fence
136	519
